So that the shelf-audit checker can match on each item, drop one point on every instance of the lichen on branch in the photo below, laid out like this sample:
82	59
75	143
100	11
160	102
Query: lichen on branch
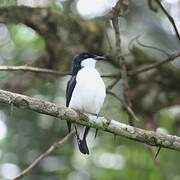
112	126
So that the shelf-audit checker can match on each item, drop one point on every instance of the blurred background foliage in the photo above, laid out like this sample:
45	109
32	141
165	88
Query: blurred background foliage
81	25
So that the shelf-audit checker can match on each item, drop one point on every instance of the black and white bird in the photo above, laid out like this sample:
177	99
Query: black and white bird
85	91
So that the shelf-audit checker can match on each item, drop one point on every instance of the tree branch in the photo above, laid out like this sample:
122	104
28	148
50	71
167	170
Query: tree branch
34	70
112	126
170	19
115	21
45	154
44	71
129	110
155	65
151	47
115	75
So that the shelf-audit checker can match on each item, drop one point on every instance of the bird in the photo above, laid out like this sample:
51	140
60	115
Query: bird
85	91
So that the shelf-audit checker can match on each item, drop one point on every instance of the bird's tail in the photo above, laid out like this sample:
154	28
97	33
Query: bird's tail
82	144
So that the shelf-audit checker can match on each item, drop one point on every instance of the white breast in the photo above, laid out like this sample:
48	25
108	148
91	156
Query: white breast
89	92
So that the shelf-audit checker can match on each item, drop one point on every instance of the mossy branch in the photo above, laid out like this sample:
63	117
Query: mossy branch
112	126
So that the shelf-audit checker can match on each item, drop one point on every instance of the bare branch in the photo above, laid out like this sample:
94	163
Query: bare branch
170	19
117	79
120	58
151	47
54	147
112	126
155	65
171	57
33	69
129	110
120	8
42	71
108	40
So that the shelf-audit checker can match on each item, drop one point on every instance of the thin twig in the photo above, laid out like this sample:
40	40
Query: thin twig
151	47
156	161
117	79
26	68
115	75
45	154
172	57
144	45
108	40
126	107
44	71
155	65
131	42
170	19
120	58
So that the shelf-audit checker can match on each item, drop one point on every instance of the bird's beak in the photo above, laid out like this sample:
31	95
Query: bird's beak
99	58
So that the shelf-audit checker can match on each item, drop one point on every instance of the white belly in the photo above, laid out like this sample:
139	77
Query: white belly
89	92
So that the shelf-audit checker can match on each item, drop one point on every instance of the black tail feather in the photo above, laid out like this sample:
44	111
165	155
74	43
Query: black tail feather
86	131
82	144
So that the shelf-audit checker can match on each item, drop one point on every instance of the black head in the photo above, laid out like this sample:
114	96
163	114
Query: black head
80	57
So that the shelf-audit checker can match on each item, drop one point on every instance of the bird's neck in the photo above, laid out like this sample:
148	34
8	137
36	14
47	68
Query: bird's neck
88	63
76	70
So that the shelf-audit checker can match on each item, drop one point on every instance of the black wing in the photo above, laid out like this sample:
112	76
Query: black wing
69	90
81	143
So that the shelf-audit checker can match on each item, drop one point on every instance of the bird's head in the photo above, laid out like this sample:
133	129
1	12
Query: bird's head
85	59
